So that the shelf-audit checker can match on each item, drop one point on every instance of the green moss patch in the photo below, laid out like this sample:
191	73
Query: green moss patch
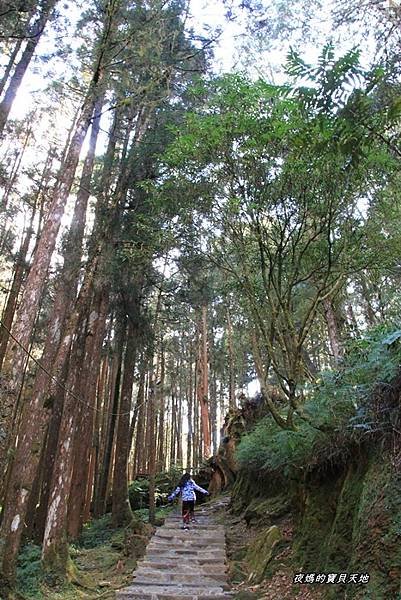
260	552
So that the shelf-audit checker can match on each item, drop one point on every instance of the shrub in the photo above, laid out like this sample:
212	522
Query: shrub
340	409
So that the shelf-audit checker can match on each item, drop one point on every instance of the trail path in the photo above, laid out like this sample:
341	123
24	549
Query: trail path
181	564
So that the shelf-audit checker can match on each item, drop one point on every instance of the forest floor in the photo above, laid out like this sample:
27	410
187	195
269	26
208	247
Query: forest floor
102	563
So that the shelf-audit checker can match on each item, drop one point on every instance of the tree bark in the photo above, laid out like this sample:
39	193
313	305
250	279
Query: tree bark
203	382
55	553
231	367
20	69
10	64
84	433
121	509
101	493
37	276
152	447
33	429
190	411
19	273
34	421
160	466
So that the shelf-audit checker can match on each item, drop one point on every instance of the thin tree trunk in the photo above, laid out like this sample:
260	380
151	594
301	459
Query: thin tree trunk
139	440
100	421
196	436
162	413
10	64
121	509
15	172
369	312
231	366
213	411
22	66
19	273
101	496
190	412
203	382
152	447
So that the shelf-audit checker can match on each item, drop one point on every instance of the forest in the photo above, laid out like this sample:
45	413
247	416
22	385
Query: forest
200	271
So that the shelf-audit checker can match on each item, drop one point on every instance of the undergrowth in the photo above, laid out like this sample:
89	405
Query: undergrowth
345	407
96	555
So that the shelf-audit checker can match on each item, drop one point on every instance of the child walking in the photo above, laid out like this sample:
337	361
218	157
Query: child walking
186	488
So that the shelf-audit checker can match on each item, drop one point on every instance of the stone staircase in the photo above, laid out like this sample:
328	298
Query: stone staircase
181	564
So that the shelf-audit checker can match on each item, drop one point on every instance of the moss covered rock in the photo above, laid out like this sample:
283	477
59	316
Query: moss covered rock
265	510
260	552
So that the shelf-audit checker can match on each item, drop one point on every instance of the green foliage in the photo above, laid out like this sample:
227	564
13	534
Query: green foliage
97	532
340	407
29	572
138	490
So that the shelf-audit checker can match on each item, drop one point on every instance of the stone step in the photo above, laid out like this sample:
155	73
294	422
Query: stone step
187	565
182	564
162	592
142	575
206	562
186	539
174	525
198	520
188	552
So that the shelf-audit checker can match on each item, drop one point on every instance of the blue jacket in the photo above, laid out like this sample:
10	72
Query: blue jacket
188	491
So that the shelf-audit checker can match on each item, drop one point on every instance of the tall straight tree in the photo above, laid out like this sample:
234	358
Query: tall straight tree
36	279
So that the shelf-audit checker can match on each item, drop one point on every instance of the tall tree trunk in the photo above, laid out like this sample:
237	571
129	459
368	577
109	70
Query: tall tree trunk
139	439
49	456
55	553
35	428
231	366
25	462
196	435
19	273
162	413
84	434
203	382
121	509
152	446
100	423
37	276
213	411
20	69
173	437
190	411
101	493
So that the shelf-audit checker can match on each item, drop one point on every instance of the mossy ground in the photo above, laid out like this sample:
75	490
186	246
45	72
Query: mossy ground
102	561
